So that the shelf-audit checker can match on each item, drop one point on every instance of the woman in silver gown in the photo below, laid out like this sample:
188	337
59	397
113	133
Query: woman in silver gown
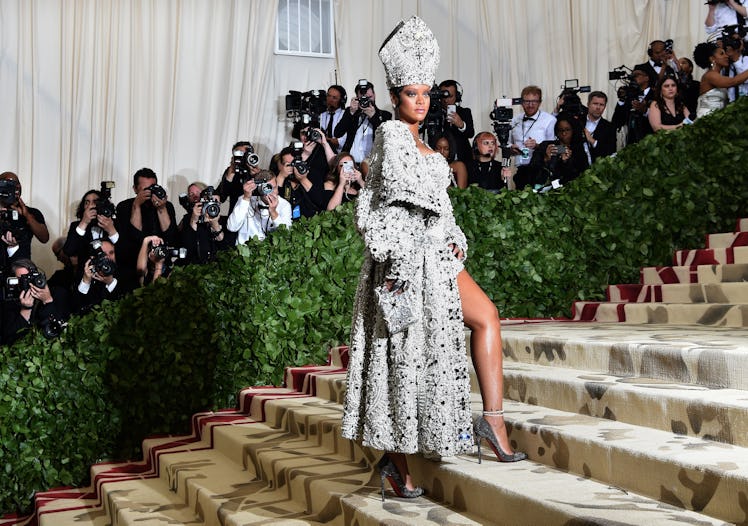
713	87
409	389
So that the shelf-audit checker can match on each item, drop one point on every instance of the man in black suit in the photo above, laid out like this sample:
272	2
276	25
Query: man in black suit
459	122
361	121
599	132
653	66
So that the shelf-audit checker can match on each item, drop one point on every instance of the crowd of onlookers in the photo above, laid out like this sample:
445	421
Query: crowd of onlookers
110	250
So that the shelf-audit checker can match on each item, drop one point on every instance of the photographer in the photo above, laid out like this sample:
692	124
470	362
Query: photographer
30	302
100	280
243	163
484	170
316	153
343	182
599	133
724	13
148	213
200	231
733	45
25	222
459	120
260	210
632	106
658	52
295	187
363	119
333	119
90	226
156	260
563	159
529	129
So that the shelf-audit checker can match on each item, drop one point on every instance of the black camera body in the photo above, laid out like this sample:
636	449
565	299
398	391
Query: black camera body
8	192
157	190
364	101
301	166
103	266
14	286
12	221
210	206
501	117
312	102
105	207
243	160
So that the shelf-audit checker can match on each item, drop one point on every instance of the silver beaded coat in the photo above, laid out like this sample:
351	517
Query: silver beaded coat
408	392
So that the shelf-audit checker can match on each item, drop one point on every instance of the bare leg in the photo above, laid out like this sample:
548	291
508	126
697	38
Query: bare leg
482	317
401	463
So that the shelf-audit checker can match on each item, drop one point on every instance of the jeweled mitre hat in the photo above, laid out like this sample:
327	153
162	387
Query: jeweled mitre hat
410	54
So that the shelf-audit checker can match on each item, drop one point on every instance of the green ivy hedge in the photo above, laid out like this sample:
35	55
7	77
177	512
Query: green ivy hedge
145	364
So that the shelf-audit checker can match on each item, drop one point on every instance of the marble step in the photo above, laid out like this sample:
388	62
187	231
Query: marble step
735	293
487	493
590	447
702	475
711	256
684	409
709	314
696	355
705	274
727	239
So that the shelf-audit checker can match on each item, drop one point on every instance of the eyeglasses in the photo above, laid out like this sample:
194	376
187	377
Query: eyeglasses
530	101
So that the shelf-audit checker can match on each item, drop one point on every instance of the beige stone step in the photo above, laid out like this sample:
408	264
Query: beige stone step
698	355
684	409
694	274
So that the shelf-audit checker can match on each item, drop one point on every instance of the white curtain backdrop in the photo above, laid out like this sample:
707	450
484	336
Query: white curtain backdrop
92	90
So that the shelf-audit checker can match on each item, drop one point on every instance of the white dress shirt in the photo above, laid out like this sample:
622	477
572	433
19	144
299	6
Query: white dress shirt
539	127
249	219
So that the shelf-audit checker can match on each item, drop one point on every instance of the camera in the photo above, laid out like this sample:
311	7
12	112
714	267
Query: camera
243	160
7	192
211	207
104	206
311	102
103	266
52	326
169	256
11	221
157	190
572	103
669	45
560	149
15	285
301	166
362	87
501	118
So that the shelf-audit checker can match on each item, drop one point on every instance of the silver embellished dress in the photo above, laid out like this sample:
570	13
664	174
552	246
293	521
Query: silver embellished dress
408	392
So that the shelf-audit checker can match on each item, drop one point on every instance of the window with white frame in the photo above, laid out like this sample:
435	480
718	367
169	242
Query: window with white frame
305	27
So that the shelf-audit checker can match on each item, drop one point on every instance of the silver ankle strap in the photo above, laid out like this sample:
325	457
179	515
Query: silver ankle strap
499	412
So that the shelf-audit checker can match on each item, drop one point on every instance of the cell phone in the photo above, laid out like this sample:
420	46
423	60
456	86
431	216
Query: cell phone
347	166
451	108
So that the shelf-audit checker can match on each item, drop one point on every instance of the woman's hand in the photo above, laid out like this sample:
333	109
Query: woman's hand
457	251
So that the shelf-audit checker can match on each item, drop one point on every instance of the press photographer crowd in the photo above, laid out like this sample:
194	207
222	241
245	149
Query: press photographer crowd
112	249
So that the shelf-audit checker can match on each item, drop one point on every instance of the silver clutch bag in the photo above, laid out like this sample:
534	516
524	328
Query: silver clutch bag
396	306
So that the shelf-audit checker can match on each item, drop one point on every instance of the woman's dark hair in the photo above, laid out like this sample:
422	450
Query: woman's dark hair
82	205
660	101
334	174
577	135
452	146
395	92
702	54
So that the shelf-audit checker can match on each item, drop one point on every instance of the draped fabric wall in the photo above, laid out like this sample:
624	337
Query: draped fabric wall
94	90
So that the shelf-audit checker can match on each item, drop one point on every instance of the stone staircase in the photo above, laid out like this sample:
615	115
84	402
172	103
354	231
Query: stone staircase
707	286
624	423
